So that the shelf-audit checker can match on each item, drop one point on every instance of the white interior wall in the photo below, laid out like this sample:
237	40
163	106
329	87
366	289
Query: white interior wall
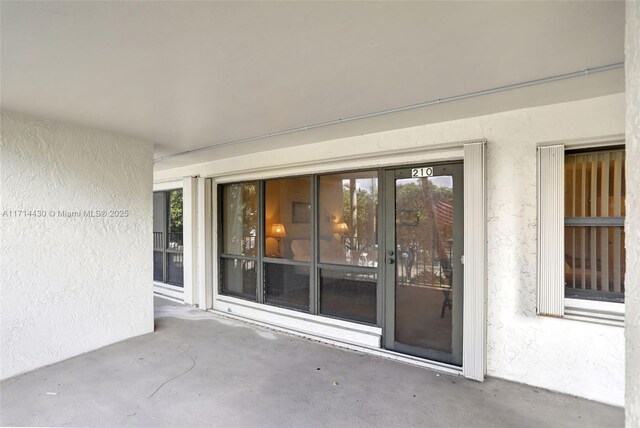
632	226
71	284
578	358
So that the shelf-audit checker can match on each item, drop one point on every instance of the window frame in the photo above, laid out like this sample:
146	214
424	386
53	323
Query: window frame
551	300
166	251
314	265
222	255
320	265
283	261
594	221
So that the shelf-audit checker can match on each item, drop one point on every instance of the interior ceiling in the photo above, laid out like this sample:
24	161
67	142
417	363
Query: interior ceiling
187	75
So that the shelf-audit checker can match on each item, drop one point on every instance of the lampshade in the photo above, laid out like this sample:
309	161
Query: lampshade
343	228
278	230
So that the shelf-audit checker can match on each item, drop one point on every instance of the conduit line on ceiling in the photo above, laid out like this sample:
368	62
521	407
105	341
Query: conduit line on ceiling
525	84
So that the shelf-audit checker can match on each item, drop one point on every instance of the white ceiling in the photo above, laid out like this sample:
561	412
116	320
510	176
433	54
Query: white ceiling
191	74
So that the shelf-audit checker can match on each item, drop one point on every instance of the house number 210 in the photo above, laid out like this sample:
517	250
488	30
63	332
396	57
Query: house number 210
422	172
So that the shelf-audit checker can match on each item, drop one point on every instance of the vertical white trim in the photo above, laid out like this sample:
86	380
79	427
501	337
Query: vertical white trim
215	265
205	255
474	349
550	231
190	238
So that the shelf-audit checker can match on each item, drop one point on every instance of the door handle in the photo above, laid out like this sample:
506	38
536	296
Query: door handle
390	260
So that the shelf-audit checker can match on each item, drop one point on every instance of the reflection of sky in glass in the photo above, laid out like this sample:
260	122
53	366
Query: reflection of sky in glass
366	184
438	181
442	181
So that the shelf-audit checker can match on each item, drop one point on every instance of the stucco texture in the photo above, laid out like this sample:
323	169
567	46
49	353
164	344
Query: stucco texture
71	284
575	357
632	226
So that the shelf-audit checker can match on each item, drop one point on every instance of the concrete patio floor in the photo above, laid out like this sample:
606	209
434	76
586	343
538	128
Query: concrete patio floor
199	369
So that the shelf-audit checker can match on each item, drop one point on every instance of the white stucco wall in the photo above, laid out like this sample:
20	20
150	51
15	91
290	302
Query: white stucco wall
574	357
71	285
632	227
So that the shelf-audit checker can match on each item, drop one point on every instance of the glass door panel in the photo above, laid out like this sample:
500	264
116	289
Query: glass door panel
424	271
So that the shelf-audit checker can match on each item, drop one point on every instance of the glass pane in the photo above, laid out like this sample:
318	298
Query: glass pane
157	266
158	212
240	218
348	223
287	285
348	295
158	227
287	218
174	222
595	184
424	273
175	269
594	262
239	278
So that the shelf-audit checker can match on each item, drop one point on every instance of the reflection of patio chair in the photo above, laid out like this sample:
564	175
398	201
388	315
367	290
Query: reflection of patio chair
363	259
358	251
447	302
445	266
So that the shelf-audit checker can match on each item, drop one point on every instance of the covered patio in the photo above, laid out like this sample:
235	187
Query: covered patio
201	369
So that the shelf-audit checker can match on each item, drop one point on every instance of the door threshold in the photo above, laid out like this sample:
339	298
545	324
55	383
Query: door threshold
421	362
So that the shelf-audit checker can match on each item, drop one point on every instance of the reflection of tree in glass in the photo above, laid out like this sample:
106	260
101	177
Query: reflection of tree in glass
174	226
175	211
243	199
424	229
359	210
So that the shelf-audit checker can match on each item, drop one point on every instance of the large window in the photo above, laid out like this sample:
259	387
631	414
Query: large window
168	259
307	243
594	259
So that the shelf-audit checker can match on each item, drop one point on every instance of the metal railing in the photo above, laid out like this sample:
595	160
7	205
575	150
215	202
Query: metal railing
175	241
158	240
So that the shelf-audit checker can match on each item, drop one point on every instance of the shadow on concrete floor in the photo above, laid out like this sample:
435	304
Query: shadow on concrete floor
199	369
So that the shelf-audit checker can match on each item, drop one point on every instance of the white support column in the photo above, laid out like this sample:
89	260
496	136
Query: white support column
190	237
205	255
474	353
551	231
632	224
